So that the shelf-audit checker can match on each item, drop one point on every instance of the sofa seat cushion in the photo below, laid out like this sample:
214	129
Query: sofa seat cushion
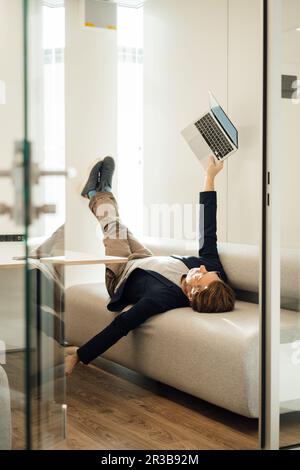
212	356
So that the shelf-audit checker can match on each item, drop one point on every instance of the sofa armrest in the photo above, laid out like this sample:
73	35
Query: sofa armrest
5	412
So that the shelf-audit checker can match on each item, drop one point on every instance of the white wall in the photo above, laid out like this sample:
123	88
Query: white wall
191	47
185	52
91	129
245	87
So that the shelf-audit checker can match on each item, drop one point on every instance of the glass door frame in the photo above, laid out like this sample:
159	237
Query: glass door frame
270	246
270	235
26	156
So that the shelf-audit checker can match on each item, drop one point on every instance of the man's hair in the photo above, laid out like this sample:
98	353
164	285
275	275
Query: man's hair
218	297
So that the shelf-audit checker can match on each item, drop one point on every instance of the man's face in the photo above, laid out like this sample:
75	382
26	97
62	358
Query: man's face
197	278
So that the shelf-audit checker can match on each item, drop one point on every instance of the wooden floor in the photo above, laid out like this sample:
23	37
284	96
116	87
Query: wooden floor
112	408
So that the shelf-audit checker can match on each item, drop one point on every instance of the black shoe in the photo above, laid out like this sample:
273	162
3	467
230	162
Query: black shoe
93	179
106	174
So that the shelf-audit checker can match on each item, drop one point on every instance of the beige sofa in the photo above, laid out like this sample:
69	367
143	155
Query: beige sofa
212	356
5	412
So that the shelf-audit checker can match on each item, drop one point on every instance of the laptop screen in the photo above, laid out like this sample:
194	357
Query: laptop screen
224	120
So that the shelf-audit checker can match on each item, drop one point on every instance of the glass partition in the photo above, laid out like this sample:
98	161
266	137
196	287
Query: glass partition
32	212
280	384
289	373
127	88
45	216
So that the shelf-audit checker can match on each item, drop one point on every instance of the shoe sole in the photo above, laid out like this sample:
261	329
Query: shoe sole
110	162
88	171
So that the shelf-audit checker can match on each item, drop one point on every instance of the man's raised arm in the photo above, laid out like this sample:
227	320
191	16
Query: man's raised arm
208	211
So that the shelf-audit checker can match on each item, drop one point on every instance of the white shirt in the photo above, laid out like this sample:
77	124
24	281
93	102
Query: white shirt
169	267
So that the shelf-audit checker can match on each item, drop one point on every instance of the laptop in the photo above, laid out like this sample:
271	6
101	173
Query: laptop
213	133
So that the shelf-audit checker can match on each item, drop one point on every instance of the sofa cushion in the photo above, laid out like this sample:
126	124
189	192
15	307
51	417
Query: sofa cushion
213	357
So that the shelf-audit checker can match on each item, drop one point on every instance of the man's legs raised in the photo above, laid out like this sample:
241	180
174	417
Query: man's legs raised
105	208
118	240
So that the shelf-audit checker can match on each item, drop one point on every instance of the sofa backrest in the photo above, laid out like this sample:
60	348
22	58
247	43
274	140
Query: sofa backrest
241	263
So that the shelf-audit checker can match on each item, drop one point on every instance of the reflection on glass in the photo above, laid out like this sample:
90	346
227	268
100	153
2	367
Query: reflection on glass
12	289
45	283
290	231
12	345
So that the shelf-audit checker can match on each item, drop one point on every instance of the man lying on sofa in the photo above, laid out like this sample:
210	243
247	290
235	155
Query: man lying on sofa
152	284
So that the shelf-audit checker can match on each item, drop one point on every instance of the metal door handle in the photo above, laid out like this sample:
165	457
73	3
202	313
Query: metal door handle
16	173
37	173
45	209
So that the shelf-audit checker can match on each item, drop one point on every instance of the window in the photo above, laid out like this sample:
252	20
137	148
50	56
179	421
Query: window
54	111
130	116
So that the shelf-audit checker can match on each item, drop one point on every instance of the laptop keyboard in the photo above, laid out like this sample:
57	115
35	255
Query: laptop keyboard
213	136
